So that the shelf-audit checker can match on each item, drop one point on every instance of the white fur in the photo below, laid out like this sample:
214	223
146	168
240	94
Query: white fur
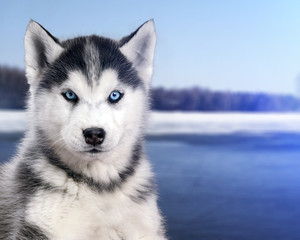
64	127
82	214
74	211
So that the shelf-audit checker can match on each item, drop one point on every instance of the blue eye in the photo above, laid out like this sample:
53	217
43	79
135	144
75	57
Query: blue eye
70	96
115	96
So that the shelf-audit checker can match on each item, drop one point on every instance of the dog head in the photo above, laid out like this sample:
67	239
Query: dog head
88	95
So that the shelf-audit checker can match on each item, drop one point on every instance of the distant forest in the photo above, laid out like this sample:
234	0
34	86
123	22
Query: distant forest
14	87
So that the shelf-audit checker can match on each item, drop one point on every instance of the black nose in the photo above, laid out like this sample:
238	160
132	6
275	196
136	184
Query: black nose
94	136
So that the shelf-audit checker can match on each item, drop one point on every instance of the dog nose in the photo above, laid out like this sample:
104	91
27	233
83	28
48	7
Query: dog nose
94	136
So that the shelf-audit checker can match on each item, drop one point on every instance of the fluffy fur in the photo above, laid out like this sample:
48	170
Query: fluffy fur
62	185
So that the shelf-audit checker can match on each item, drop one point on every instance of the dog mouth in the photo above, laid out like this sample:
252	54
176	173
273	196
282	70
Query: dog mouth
94	150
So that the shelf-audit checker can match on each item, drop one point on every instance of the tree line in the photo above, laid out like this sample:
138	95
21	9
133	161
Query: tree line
14	87
199	99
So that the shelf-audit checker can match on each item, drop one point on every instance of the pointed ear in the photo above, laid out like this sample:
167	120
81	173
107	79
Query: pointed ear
139	48
41	49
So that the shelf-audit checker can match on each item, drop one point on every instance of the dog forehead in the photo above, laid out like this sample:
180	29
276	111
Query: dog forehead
107	80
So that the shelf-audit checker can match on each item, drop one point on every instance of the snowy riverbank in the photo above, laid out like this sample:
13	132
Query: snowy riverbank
190	123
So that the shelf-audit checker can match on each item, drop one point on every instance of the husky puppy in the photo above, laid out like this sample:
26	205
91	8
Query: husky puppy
81	172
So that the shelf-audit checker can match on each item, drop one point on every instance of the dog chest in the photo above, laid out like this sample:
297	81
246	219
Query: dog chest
83	214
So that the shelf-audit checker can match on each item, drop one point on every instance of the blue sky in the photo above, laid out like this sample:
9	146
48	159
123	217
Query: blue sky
251	45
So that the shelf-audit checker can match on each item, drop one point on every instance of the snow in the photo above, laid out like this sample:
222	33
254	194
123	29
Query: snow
12	121
190	123
222	123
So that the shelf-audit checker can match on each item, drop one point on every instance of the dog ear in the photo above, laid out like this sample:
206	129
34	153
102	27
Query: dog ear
41	49
139	48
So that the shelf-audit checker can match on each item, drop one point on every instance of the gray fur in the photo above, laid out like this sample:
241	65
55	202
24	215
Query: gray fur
45	174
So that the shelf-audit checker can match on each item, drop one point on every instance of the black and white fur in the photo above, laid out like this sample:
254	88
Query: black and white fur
60	186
